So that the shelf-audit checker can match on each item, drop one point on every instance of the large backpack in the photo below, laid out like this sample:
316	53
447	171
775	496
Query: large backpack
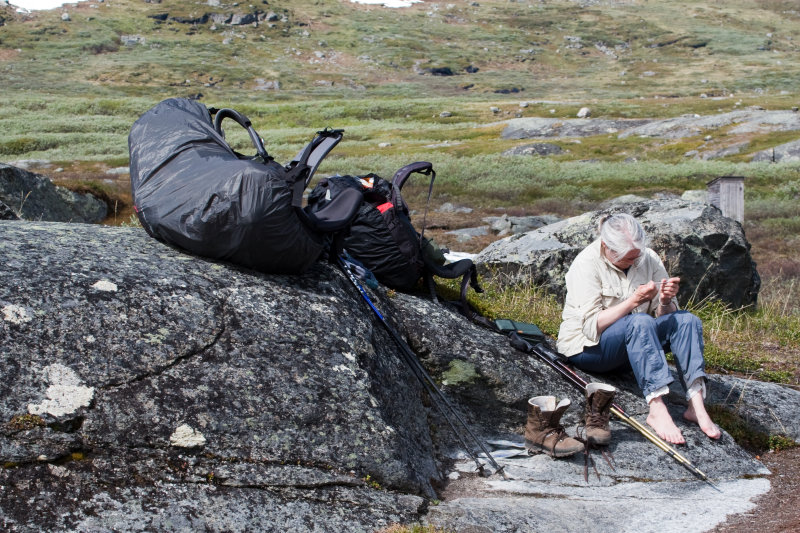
192	190
382	237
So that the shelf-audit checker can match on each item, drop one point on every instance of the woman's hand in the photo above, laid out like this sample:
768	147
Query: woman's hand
644	293
668	289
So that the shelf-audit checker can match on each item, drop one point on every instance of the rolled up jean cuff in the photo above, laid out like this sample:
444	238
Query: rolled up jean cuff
698	385
656	393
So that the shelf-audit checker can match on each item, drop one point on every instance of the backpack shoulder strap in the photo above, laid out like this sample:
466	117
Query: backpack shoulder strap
399	179
464	269
302	168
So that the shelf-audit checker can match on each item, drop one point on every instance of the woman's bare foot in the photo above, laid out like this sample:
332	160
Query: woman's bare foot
697	413
660	420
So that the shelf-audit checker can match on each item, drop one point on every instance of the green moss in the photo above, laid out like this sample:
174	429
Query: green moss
780	442
25	422
776	376
459	373
368	479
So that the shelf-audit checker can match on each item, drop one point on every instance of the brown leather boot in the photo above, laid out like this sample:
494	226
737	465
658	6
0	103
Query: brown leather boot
544	433
599	397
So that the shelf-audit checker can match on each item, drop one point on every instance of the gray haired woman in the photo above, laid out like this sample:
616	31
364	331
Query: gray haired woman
621	312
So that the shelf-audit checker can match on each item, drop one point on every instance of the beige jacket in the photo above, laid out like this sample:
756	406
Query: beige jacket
594	284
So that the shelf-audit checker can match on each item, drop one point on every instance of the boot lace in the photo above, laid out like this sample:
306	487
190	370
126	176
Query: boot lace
598	417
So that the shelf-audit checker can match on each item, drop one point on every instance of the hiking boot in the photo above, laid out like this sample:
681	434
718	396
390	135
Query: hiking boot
544	433
599	397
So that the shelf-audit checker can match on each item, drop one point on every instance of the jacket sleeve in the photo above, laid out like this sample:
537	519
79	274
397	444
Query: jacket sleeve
584	292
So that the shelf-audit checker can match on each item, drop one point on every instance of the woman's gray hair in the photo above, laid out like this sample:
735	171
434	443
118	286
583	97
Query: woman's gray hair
622	233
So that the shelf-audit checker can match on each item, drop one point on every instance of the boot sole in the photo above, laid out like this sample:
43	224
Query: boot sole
600	442
533	449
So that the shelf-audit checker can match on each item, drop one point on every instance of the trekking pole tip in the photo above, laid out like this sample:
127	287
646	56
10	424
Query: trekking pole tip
502	472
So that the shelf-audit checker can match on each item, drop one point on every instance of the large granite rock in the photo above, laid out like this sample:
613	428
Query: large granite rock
708	251
146	389
785	153
36	198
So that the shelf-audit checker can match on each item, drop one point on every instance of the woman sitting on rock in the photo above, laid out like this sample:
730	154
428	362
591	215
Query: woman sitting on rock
621	312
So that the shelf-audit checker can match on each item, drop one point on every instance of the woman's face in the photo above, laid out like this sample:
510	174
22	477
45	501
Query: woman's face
623	262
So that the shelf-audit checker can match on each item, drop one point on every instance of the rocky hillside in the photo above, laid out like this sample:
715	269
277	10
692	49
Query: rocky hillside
530	49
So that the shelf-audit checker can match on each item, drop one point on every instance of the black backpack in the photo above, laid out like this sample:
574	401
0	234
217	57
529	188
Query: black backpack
192	190
382	238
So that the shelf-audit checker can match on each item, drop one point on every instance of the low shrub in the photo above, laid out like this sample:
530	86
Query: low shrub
25	145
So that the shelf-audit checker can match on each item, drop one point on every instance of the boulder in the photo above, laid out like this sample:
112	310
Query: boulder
147	389
541	149
466	234
708	251
529	128
788	152
726	151
505	225
36	198
449	207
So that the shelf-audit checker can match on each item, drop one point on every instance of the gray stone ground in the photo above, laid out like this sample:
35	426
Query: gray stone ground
544	494
527	504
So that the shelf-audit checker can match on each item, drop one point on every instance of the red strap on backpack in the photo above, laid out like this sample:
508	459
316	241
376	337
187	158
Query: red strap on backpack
384	207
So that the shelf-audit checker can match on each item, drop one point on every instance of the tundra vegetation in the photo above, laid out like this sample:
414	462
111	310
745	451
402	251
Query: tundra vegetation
433	82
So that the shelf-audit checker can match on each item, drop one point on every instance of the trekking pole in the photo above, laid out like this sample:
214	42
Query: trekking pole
554	360
425	379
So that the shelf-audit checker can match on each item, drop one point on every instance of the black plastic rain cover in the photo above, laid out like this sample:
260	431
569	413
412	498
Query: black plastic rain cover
191	190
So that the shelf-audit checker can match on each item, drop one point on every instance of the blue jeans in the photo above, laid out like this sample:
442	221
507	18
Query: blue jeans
638	341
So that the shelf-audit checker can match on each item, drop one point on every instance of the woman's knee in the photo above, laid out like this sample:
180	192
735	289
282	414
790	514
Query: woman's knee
640	321
685	318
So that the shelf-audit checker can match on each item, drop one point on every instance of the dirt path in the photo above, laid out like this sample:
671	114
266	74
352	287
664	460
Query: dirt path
779	509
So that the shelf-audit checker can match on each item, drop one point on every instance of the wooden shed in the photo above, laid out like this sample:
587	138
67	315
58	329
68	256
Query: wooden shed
727	193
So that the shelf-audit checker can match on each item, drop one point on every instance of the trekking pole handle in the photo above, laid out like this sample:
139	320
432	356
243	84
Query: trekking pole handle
244	122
